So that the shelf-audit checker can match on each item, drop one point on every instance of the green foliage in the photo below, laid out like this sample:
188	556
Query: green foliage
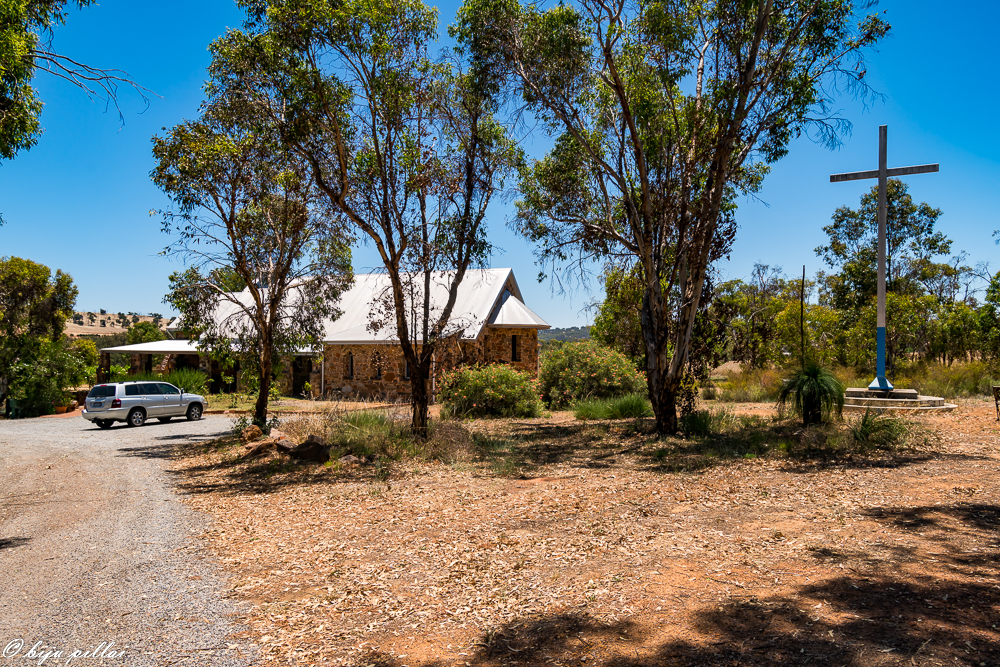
749	312
959	380
564	334
639	144
19	38
34	306
40	384
247	213
144	332
85	350
878	431
362	93
911	243
914	326
190	380
496	390
27	28
816	393
242	422
586	370
617	324
372	433
633	406
989	320
700	423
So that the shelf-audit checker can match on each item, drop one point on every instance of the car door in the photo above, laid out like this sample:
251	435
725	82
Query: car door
152	401
171	402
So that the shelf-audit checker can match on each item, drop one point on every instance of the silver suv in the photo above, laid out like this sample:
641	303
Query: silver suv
135	402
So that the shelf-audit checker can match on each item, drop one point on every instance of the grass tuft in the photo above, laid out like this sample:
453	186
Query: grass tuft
879	431
633	406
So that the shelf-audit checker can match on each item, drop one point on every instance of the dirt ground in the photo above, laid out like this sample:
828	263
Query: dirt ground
597	557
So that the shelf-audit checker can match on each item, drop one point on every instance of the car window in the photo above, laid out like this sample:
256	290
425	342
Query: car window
132	389
102	391
168	389
150	388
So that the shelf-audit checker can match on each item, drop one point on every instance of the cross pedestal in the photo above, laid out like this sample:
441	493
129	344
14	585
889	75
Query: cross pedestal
880	383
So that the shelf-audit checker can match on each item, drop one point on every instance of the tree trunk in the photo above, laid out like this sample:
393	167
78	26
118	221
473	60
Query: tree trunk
811	412
419	400
264	384
662	387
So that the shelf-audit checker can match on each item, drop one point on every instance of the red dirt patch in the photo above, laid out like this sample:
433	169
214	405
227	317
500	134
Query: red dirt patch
775	561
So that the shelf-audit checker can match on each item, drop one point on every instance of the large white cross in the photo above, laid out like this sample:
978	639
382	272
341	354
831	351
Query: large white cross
882	174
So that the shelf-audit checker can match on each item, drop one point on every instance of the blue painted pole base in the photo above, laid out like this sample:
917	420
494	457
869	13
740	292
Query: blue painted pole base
880	383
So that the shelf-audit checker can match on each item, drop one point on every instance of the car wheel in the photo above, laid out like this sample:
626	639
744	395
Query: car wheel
103	423
194	412
136	418
164	420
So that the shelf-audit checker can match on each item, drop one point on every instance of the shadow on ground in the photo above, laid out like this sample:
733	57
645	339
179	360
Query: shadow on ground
173	446
946	613
12	542
840	621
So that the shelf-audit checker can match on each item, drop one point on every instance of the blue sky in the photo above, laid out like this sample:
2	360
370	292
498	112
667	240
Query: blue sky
80	200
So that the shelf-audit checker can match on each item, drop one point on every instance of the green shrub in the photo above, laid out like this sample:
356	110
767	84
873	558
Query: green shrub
489	391
117	373
817	393
957	380
39	385
878	431
382	434
700	423
587	370
633	406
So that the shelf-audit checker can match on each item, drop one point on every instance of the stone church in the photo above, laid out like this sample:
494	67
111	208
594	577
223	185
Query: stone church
361	356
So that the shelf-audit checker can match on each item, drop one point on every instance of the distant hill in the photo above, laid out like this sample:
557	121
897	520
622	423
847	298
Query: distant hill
567	334
102	323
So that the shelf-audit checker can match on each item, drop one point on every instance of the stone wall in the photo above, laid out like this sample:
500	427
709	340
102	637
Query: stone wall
497	348
378	371
494	346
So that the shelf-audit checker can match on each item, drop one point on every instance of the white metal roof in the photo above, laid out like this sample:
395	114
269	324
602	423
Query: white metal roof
480	296
485	297
158	347
513	313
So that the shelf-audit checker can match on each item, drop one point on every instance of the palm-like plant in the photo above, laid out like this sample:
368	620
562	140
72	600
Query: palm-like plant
817	393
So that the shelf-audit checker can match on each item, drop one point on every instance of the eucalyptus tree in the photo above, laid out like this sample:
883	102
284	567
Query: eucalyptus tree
911	244
663	113
34	307
247	214
404	143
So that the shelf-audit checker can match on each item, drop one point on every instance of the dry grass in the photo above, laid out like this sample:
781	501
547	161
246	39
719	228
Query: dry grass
550	541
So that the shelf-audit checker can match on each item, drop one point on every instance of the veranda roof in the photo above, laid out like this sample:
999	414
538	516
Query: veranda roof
157	347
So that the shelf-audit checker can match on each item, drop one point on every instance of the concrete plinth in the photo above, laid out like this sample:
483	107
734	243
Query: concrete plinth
897	400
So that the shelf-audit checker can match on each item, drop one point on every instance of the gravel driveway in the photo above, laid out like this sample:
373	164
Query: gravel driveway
95	546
